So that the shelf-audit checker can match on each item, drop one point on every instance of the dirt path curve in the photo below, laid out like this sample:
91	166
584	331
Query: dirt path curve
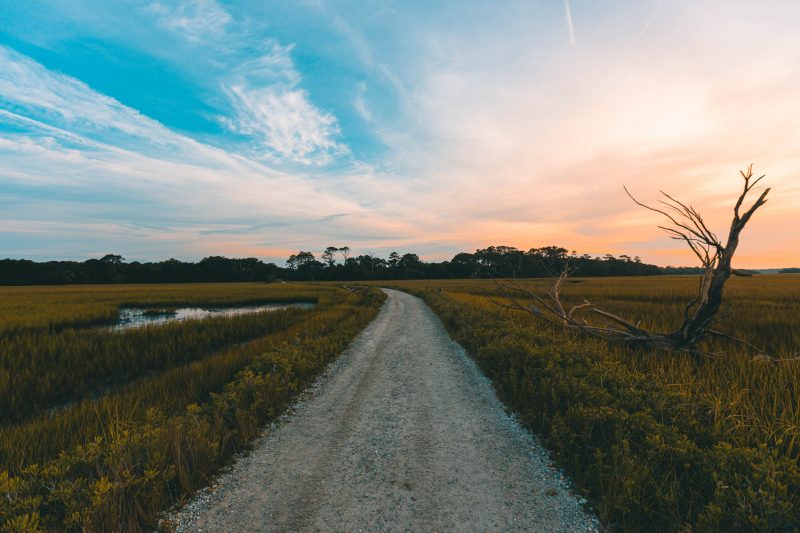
402	433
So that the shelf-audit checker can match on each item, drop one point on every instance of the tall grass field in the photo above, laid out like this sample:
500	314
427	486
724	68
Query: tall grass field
657	441
101	430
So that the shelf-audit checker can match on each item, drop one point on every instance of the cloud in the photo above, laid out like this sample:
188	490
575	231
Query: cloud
465	137
285	124
180	209
79	159
522	156
279	116
196	20
28	87
269	107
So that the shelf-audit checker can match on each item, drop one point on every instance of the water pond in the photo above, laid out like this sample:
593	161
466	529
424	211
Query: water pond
137	317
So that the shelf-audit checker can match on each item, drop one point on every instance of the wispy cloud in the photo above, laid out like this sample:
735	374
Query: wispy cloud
196	20
285	124
278	115
27	86
270	107
74	145
433	129
362	48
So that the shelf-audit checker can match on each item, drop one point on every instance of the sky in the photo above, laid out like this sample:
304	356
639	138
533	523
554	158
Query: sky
189	128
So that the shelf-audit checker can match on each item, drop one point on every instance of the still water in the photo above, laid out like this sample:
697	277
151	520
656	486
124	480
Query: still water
137	317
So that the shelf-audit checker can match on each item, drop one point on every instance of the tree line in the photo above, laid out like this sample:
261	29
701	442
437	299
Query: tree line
334	264
112	268
494	261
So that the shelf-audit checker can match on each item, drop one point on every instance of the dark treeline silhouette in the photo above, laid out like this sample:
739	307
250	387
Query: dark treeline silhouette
113	269
494	261
334	264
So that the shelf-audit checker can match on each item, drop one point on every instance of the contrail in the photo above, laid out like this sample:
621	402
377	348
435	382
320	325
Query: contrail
648	23
570	27
573	42
578	68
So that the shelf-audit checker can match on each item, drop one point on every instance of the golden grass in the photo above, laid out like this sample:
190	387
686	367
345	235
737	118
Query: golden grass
755	402
657	441
42	307
113	462
46	360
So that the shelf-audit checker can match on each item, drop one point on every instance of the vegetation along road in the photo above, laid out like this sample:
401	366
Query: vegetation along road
401	433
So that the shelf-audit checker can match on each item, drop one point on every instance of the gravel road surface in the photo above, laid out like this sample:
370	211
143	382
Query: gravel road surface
401	433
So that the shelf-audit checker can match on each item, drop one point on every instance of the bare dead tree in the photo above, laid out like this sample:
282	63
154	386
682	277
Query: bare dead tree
684	223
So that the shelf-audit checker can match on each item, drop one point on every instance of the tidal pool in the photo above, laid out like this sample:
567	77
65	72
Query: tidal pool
137	317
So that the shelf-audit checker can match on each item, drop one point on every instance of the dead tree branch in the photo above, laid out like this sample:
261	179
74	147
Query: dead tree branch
685	224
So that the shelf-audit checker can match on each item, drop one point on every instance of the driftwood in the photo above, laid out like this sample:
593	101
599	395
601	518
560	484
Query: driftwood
684	224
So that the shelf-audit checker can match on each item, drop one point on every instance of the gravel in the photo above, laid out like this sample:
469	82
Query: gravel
401	433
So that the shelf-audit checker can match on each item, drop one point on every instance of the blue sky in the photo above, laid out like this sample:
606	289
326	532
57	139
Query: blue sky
188	128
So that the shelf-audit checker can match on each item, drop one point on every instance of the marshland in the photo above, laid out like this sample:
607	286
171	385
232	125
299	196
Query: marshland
399	266
103	429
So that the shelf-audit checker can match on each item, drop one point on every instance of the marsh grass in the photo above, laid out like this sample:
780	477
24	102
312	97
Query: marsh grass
45	363
658	440
113	462
60	307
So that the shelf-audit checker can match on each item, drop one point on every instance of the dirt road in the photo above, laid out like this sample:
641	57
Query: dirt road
402	433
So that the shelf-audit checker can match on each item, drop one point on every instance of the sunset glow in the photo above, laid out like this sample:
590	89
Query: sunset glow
184	129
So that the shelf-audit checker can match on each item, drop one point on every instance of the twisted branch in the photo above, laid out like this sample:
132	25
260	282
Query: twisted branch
685	224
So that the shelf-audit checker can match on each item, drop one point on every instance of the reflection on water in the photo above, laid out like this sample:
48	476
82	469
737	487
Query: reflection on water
136	317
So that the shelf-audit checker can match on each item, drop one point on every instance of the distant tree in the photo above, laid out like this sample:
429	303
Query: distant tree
304	258
379	263
464	265
410	266
366	263
304	265
329	255
410	260
311	269
345	251
112	259
394	260
463	258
